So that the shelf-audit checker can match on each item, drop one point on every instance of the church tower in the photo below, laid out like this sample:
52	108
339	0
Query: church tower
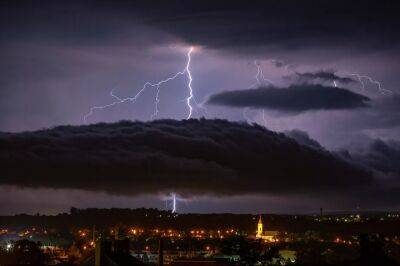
259	228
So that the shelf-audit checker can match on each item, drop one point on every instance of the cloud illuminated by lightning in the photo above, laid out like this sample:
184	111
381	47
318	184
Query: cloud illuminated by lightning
157	86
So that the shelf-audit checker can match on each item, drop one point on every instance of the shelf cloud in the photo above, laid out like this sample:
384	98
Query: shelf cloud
292	99
194	157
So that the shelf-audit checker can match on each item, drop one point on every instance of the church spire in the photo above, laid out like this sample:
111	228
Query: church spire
260	230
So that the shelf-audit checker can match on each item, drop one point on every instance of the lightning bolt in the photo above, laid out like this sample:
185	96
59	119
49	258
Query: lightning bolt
173	203
379	85
334	83
260	78
170	202
245	116
263	118
187	70
157	85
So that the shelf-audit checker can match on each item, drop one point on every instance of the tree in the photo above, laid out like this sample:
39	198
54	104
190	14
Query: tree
248	250
270	253
26	252
311	253
74	211
372	251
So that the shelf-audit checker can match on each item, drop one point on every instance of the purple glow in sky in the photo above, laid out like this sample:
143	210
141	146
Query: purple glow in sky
59	60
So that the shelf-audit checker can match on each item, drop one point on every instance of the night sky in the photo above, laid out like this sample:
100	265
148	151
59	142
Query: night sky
324	75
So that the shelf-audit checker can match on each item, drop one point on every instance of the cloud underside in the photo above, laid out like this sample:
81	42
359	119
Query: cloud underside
322	75
295	98
221	24
375	154
189	157
382	156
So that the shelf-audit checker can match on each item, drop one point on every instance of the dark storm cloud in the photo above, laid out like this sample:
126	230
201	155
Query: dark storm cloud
375	154
218	24
194	156
321	76
303	138
295	98
384	114
278	63
380	155
284	24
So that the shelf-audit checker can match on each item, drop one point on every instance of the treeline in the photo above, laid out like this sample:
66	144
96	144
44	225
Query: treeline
154	218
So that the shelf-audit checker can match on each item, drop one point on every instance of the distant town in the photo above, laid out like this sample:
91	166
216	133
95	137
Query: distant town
156	237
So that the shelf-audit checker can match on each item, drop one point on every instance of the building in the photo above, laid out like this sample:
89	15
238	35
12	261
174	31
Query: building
112	253
199	262
268	236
